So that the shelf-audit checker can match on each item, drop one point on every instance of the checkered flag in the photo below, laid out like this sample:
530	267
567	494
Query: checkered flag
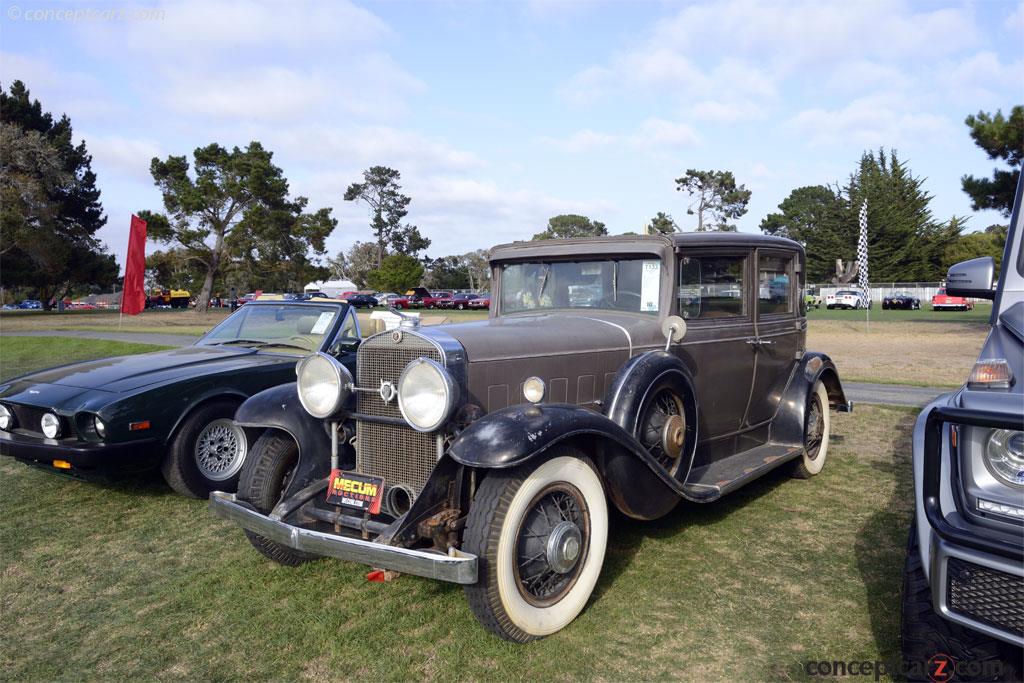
862	252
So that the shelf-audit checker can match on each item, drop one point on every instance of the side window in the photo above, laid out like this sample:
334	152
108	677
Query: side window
711	287
774	284
349	330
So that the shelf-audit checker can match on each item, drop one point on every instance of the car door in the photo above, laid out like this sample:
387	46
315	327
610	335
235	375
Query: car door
780	330
714	297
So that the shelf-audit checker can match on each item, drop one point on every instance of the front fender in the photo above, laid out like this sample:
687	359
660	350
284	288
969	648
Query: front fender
279	408
515	435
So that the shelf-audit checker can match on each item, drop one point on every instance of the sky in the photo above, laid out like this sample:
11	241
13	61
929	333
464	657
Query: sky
500	115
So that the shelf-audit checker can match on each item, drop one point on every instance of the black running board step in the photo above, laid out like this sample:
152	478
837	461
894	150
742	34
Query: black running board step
723	476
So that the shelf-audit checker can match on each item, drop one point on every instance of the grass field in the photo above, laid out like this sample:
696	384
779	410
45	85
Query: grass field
130	581
20	355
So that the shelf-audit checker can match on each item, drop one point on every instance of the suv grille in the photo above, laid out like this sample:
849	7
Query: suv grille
986	595
400	455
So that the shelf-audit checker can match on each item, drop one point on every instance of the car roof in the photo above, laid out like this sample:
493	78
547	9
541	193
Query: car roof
629	244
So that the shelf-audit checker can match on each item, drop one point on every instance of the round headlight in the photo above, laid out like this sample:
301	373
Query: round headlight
426	394
50	424
324	385
101	428
1004	456
6	417
533	389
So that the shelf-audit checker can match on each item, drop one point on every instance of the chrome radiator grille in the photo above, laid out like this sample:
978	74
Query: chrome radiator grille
400	455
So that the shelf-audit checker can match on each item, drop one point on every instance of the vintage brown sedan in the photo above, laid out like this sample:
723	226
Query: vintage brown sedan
640	370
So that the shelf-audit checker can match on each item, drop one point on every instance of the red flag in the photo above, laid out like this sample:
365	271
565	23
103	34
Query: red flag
133	295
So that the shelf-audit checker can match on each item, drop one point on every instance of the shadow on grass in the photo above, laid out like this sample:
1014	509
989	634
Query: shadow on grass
625	535
148	484
881	542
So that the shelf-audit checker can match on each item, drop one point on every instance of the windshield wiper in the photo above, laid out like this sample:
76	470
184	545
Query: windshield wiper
238	341
286	345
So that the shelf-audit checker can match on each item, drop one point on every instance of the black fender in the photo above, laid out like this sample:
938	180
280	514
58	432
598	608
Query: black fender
636	486
279	408
788	426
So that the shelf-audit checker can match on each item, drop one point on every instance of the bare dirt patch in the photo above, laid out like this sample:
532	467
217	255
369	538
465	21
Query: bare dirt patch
923	353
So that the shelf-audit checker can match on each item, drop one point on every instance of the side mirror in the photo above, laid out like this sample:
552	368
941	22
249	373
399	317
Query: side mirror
972	278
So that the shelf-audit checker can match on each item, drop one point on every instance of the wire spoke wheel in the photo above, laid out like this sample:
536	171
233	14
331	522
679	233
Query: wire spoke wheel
220	450
552	544
663	429
815	427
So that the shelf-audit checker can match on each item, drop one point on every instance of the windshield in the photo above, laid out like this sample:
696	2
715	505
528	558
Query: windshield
622	285
289	328
846	292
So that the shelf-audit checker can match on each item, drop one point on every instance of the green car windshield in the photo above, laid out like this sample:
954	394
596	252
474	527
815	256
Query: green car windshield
291	328
621	285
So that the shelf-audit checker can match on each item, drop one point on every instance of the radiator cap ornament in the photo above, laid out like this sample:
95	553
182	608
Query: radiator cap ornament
387	391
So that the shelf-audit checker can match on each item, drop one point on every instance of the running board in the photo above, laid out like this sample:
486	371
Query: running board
710	482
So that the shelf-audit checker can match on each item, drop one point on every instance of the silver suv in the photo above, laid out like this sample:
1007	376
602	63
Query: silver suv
963	584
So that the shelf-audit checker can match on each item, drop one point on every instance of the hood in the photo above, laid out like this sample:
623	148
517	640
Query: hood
536	335
128	373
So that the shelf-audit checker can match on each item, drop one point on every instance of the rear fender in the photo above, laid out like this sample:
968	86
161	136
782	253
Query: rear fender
279	408
788	426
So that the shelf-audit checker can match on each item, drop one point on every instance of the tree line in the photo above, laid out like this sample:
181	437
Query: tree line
229	218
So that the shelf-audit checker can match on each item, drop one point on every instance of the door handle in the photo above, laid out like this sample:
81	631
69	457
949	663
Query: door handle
760	342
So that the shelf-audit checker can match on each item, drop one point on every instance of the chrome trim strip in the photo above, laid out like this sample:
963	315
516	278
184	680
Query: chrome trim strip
458	568
629	338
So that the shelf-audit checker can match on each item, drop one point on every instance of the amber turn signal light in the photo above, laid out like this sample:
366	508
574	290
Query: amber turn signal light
138	426
62	464
990	373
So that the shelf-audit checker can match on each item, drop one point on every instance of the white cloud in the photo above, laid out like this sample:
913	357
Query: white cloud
1015	20
871	121
862	75
714	111
122	157
659	133
983	78
581	141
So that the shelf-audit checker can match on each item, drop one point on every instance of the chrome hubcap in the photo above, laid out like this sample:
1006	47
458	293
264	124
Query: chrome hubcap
563	547
220	450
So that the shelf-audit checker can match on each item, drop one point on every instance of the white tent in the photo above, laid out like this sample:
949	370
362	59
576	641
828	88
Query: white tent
331	287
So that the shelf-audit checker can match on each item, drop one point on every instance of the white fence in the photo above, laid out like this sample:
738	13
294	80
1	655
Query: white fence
879	290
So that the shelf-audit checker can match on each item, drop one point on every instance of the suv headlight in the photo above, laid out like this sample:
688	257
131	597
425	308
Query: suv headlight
1004	456
426	394
324	384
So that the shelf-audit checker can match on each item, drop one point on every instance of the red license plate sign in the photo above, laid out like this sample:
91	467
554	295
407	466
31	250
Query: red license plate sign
356	491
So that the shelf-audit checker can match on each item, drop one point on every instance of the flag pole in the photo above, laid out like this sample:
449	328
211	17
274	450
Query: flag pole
862	265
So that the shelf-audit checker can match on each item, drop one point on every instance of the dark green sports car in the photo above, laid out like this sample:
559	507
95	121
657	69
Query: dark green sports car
169	409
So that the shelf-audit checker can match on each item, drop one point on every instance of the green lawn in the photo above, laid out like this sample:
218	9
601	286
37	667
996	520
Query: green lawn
980	314
20	355
129	581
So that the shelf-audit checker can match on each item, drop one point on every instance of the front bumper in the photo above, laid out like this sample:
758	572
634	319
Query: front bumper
457	567
83	455
976	576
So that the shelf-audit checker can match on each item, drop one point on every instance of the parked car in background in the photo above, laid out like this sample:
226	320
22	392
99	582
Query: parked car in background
361	301
811	300
901	300
398	301
486	453
943	301
168	298
382	297
10	307
847	298
481	302
169	409
963	580
420	297
31	305
459	302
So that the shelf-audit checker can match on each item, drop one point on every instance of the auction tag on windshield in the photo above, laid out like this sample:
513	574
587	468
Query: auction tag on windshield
356	491
650	285
323	322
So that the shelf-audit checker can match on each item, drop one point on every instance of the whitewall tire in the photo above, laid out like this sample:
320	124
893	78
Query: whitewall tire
817	429
540	532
